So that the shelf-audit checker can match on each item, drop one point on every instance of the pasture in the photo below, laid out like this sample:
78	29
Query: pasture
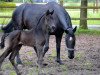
72	12
86	61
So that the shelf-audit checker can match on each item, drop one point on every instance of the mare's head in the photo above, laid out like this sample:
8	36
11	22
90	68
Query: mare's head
49	21
70	41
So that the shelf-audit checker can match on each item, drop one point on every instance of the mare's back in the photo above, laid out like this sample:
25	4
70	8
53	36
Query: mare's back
32	14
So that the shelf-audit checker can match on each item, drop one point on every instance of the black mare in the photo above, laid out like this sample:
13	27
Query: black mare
35	38
27	15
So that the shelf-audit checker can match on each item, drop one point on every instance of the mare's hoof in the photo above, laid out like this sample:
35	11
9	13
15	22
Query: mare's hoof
45	64
60	62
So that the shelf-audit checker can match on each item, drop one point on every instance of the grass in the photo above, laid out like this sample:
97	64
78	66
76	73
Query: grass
87	31
79	55
73	14
76	14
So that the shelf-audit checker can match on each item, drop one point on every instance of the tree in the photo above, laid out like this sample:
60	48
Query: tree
83	15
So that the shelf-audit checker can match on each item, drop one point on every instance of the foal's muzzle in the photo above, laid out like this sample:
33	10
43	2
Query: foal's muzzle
53	28
70	53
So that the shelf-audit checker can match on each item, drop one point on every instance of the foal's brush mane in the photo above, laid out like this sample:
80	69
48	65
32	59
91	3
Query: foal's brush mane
39	20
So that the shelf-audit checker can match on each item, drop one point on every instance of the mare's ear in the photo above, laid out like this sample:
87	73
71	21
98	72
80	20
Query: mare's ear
74	30
52	12
48	12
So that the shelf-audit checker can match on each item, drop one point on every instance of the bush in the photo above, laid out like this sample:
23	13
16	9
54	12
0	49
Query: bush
6	4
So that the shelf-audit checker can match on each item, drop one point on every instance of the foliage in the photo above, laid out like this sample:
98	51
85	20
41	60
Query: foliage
7	0
77	0
5	4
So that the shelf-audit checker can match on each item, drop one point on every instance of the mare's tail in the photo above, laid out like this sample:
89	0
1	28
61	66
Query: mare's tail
8	28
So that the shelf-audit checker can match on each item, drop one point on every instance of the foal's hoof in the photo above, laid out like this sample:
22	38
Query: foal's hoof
60	62
19	73
1	46
20	65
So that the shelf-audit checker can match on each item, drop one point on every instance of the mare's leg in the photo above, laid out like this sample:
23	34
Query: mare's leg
3	40
46	46
12	57
4	55
58	44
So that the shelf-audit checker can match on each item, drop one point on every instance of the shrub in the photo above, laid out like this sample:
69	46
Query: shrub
6	4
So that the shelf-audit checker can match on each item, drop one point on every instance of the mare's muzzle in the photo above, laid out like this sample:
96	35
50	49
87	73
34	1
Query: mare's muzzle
70	53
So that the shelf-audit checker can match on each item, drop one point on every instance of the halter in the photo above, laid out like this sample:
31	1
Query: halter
70	49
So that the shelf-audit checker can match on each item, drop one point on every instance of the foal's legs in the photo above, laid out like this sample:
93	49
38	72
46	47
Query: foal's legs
4	55
35	50
12	57
46	46
18	60
40	55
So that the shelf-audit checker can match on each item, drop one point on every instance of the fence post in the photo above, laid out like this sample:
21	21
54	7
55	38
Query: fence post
61	2
83	15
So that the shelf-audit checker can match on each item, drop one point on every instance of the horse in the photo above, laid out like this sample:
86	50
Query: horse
35	38
26	15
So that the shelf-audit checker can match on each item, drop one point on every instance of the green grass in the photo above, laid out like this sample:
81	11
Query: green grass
73	14
79	55
87	31
76	14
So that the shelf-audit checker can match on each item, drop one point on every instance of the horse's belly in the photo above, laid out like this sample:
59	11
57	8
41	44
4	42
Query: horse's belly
27	40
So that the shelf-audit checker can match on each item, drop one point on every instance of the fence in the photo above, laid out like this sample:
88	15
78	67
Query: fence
66	7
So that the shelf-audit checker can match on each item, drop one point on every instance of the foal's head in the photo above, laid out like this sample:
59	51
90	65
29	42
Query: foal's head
49	21
70	41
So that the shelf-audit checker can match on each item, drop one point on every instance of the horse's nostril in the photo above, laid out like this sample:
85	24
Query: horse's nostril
53	27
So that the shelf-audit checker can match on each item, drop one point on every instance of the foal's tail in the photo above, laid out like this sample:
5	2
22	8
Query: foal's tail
13	37
7	29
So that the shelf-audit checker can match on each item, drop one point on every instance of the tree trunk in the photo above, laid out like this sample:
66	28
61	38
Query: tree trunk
61	2
83	15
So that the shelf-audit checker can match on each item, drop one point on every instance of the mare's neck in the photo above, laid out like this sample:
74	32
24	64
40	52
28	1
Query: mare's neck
65	20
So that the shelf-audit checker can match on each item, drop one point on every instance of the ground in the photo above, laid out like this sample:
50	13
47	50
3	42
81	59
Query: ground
86	61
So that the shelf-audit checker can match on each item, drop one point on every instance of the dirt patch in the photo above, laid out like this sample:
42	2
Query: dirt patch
86	61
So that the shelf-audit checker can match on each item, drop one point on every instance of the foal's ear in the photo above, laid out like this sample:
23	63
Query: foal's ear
74	30
47	13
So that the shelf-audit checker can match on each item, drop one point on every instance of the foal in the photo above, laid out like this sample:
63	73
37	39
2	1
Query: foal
35	38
